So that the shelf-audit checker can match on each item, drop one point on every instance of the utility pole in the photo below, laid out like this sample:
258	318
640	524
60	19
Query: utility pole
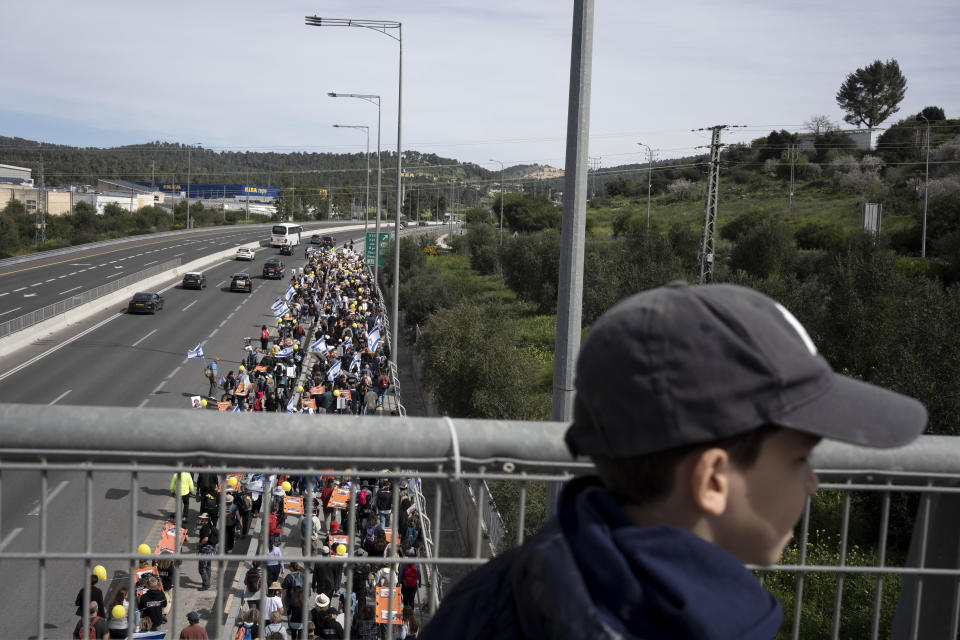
707	251
649	172
246	186
926	184
793	153
41	216
594	167
573	229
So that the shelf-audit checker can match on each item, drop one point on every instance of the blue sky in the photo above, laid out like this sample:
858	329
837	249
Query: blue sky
481	80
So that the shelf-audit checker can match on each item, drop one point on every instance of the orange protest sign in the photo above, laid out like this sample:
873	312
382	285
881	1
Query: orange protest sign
168	542
388	531
223	406
293	505
259	369
231	489
336	539
317	390
140	572
338	499
383	604
309	403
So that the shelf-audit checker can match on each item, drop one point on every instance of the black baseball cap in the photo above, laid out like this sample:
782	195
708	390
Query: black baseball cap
682	365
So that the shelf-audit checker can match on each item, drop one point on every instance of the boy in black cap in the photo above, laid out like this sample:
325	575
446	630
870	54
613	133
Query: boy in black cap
699	406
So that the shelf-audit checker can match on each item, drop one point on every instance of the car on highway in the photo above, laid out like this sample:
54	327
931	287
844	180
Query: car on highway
194	280
316	239
245	253
286	250
273	268
241	282
145	302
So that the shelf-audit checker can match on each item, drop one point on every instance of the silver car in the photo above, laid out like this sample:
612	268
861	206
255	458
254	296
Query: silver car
245	253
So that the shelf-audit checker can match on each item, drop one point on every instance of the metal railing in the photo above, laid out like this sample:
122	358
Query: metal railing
58	308
907	585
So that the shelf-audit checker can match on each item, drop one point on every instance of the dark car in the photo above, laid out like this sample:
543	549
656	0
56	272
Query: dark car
273	268
316	239
241	282
286	250
145	303
194	280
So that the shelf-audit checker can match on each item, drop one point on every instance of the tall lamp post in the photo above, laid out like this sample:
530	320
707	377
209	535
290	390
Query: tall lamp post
366	201
501	200
926	184
372	99
385	27
649	171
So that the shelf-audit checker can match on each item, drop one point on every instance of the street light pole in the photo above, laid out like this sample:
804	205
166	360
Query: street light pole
649	171
372	99
501	200
189	151
366	201
385	27
926	184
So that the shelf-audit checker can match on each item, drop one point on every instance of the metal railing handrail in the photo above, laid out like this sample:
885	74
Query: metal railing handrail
58	308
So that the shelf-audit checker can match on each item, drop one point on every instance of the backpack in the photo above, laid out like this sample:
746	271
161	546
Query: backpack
208	371
245	503
209	503
410	575
244	633
90	632
384	382
252	580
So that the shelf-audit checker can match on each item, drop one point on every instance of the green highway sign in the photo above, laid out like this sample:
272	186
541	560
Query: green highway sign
370	246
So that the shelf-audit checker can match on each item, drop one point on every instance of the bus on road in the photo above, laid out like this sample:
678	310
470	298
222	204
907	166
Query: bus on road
285	234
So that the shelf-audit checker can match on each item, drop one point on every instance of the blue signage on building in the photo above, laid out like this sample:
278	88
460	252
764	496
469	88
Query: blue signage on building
207	191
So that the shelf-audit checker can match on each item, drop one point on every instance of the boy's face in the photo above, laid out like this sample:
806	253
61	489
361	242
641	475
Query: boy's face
765	501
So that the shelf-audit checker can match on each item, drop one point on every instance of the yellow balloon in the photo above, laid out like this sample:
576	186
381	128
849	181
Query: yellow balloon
100	571
336	393
231	481
285	486
144	549
119	612
341	550
299	388
203	402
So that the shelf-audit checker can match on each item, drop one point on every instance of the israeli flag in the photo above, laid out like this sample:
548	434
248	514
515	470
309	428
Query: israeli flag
373	339
285	352
279	311
378	324
236	409
319	346
334	371
292	405
277	304
345	344
196	352
355	363
288	294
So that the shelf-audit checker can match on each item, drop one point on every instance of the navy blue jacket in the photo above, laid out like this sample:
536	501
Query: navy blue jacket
592	573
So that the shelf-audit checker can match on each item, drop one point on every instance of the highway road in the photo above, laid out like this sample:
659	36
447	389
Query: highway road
116	359
27	286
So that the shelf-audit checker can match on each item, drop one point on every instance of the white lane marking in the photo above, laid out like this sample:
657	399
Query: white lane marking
113	275
10	537
102	265
141	405
189	305
221	324
81	271
111	262
67	291
177	254
11	311
4	294
36	284
119	266
72	273
143	338
150	263
212	333
61	277
50	280
159	386
61	396
230	316
50	497
20	289
26	364
80	264
173	373
220	284
29	295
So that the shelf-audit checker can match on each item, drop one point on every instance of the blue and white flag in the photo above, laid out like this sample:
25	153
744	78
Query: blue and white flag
347	343
150	635
289	293
334	371
292	405
319	346
373	339
236	408
279	311
277	304
196	352
355	363
286	352
378	324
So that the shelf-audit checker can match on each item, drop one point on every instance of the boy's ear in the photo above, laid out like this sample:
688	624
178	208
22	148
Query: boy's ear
709	481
